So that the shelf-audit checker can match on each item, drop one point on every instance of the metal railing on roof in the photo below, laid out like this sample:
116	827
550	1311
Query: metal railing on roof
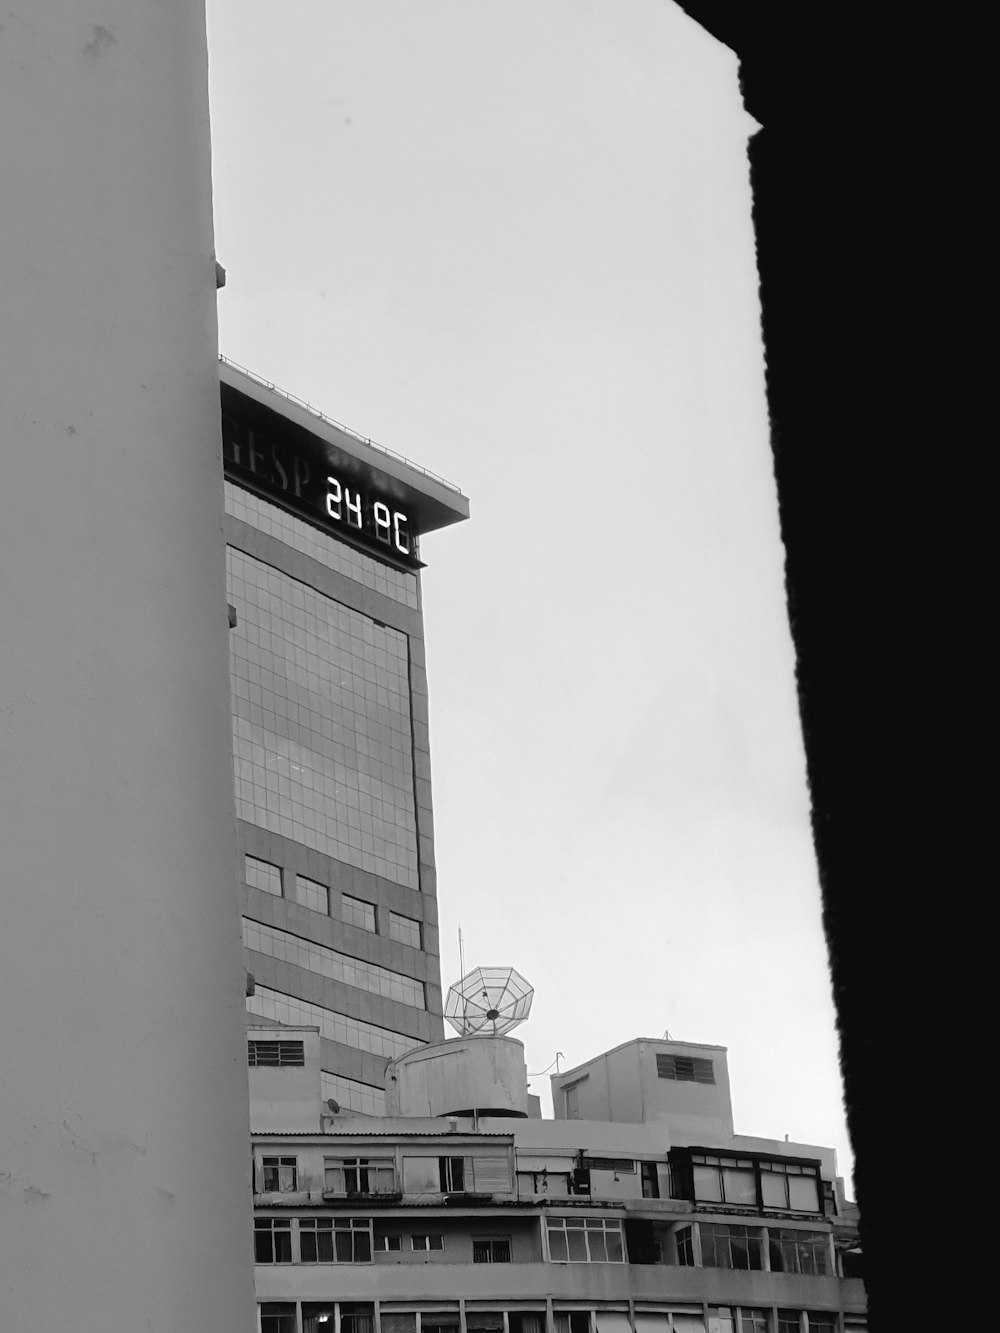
339	425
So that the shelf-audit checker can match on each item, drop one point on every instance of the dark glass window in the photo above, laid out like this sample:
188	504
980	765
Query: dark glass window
731	1247
452	1173
491	1250
272	1240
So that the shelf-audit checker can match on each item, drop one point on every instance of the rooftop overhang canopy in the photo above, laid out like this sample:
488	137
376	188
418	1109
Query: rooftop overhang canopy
272	442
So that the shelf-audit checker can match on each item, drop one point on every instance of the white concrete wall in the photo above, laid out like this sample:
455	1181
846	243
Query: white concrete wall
461	1074
124	1155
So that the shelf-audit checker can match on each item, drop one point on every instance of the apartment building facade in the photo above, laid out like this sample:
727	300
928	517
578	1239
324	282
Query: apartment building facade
515	1224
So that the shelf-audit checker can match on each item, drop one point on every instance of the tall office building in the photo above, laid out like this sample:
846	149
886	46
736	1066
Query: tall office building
329	699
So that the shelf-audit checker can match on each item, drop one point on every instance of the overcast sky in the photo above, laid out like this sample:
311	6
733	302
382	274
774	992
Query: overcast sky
511	240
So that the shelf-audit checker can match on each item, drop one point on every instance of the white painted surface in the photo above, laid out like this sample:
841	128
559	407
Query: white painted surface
124	1156
461	1074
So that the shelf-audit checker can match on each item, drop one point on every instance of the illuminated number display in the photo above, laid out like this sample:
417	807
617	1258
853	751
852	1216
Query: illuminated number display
350	506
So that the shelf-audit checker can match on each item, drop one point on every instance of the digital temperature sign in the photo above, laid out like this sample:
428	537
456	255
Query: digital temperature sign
324	484
375	517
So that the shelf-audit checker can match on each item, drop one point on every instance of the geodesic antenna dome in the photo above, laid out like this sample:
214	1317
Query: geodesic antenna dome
488	1001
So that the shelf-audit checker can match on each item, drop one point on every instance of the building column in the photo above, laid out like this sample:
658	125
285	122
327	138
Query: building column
124	1136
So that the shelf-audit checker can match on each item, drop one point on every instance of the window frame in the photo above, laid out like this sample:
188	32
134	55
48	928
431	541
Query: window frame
492	1242
361	1169
354	1229
430	1237
279	1164
272	1227
607	1226
712	1233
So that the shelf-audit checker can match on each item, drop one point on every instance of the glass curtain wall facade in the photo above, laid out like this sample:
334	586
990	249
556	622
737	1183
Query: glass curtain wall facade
332	774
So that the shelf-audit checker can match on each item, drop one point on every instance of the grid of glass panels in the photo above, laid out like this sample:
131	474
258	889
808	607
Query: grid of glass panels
337	1027
404	929
356	912
799	1252
351	1095
302	536
329	963
321	722
313	895
585	1240
263	875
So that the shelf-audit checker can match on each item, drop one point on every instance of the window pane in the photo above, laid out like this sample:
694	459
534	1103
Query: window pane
263	875
404	929
398	1323
707	1184
772	1188
356	912
803	1193
312	895
577	1244
557	1245
598	1249
753	1321
613	1240
739	1186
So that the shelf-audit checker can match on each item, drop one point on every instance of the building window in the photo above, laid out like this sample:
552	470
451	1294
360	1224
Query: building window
312	894
621	1166
790	1185
481	1175
753	1321
746	1182
335	1240
799	1252
821	1322
724	1179
429	1242
306	953
277	1318
684	1243
491	1250
388	1244
650	1180
359	1175
280	1174
276	1005
571	1321
789	1321
275	1054
685	1069
354	1318
585	1240
404	930
272	1240
263	875
452	1173
731	1247
356	912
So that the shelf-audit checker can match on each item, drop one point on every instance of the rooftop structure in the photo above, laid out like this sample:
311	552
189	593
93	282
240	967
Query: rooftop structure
473	1223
